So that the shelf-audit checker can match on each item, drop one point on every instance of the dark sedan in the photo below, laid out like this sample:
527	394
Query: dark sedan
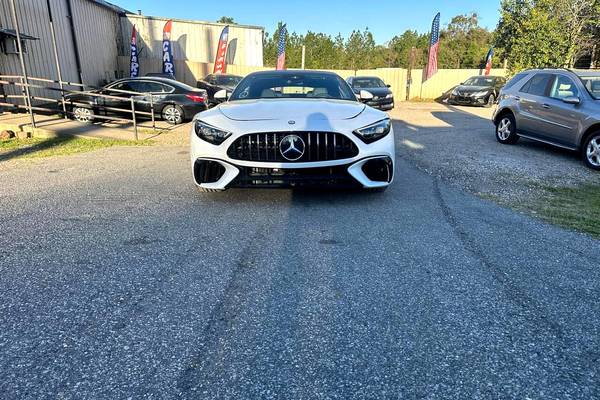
477	91
383	98
215	82
173	101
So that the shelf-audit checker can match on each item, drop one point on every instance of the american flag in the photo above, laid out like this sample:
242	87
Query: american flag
488	61
434	45
281	48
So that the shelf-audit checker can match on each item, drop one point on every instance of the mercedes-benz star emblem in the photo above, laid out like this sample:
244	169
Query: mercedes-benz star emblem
292	147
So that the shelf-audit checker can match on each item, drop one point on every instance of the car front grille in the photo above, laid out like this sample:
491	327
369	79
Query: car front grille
319	146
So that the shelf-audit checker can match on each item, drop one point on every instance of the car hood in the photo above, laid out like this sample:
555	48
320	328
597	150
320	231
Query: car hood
291	109
472	89
379	92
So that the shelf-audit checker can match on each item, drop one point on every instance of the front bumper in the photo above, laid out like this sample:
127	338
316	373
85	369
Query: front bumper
383	104
372	172
213	169
468	100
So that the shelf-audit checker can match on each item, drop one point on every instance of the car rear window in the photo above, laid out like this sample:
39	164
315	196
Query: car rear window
537	85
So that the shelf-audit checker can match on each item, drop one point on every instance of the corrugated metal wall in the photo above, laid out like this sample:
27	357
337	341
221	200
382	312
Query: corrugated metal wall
97	31
192	41
98	37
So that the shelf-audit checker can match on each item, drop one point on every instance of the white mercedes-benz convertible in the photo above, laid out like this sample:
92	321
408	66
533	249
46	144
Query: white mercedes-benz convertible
291	129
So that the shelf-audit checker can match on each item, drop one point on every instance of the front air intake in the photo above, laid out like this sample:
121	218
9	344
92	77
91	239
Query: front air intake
379	170
207	171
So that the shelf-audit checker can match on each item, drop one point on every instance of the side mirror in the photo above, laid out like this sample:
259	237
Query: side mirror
221	95
389	86
365	96
572	100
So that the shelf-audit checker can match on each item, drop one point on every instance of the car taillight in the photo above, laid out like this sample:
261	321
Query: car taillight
195	98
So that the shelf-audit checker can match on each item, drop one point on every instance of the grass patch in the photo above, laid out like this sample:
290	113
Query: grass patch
42	147
576	208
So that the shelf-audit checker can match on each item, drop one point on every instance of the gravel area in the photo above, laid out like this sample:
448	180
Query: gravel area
458	144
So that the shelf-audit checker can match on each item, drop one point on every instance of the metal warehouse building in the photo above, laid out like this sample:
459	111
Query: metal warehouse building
194	45
92	42
86	32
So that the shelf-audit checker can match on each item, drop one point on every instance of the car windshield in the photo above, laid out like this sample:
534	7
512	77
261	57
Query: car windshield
366	83
228	80
304	86
592	84
479	81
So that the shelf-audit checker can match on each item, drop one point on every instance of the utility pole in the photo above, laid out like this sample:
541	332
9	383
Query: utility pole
303	55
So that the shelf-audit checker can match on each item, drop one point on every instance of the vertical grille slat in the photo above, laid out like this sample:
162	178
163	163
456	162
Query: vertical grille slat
319	146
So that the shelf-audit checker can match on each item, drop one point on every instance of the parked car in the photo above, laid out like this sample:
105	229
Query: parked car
554	106
290	129
477	91
215	82
173	101
383	98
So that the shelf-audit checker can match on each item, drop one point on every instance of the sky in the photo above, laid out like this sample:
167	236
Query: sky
384	18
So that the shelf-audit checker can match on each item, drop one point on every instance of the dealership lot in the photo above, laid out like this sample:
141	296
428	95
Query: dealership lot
458	144
118	279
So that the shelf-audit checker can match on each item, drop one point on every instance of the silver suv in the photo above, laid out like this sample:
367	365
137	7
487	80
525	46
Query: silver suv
556	106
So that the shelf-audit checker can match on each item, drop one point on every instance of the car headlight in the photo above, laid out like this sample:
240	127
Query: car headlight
374	132
455	92
210	133
480	94
389	96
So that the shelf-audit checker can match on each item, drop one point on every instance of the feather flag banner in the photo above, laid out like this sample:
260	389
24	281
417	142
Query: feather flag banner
168	66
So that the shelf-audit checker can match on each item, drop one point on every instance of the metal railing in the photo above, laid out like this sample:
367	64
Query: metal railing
65	105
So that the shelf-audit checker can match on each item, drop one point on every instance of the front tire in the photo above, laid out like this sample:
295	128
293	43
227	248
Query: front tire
506	129
173	114
490	102
591	151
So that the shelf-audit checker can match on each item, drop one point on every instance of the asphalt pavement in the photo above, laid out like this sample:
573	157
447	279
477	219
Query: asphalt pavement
119	280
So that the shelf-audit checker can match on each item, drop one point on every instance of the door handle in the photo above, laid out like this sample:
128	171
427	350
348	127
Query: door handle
546	106
517	98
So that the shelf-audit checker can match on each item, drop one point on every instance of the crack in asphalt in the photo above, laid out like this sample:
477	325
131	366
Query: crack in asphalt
224	313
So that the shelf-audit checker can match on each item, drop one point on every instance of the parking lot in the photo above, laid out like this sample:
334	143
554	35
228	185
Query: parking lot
118	279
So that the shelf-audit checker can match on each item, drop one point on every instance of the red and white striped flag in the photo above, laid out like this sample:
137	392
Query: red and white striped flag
434	46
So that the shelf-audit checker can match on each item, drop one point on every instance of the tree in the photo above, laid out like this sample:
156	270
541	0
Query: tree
546	33
464	44
226	20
